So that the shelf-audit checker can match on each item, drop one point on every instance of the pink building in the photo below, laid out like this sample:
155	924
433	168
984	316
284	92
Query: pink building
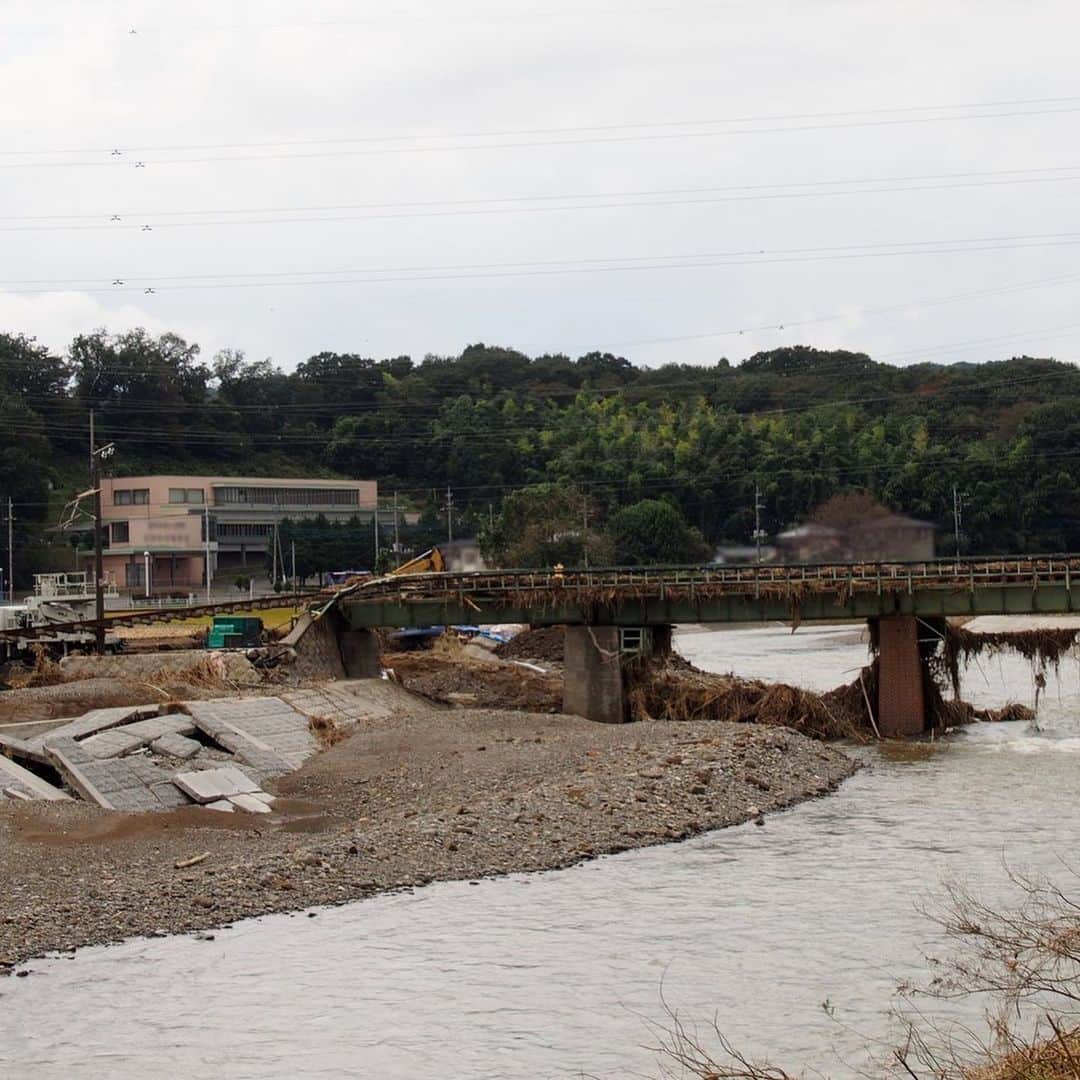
180	521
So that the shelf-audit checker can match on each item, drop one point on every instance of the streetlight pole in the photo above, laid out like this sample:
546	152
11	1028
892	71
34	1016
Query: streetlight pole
146	573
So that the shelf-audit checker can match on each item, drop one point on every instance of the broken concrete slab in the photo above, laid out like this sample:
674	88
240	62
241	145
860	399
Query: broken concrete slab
18	748
112	784
176	746
81	727
130	737
14	777
251	804
159	781
266	733
221	804
354	701
210	785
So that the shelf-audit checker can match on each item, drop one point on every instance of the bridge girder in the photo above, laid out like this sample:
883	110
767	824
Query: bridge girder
984	599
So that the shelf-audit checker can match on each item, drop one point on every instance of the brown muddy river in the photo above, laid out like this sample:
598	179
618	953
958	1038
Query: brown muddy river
794	935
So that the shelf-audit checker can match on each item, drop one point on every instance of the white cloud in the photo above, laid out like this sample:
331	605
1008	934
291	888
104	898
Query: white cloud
256	73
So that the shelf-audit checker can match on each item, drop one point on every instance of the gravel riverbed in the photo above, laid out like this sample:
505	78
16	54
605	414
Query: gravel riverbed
434	795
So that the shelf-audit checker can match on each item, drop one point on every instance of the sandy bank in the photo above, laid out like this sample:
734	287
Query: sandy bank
432	796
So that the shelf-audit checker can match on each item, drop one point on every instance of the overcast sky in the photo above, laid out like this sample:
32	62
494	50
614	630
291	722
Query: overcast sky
723	176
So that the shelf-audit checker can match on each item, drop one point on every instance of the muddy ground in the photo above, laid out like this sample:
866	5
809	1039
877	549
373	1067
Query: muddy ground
436	794
476	683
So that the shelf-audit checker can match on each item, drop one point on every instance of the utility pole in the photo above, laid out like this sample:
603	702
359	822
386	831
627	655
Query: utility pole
759	532
206	525
585	529
375	567
273	555
957	516
10	552
449	515
97	455
397	536
292	552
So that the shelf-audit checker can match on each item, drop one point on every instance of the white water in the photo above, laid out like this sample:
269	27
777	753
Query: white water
556	975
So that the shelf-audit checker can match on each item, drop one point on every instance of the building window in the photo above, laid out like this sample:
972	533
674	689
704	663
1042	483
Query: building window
240	530
121	532
141	497
186	495
289	496
135	575
122	497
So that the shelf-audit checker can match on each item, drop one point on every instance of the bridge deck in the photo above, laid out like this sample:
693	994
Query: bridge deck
719	594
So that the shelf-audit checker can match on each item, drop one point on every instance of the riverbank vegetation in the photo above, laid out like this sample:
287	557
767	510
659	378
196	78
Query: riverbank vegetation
796	425
1022	961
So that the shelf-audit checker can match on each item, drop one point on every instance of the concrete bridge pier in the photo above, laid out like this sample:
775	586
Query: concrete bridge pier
594	668
902	702
360	654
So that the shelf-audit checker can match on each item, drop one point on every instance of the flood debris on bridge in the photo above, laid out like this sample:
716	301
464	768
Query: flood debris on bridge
666	687
1043	647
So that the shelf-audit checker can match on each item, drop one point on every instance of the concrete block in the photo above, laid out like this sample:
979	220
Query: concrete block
114	785
253	729
221	804
250	803
15	777
212	785
131	737
176	746
94	721
17	748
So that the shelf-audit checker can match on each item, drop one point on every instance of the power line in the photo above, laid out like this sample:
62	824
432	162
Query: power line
152	215
592	264
497	133
479	208
116	158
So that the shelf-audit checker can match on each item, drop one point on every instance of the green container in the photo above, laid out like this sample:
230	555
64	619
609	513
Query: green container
234	632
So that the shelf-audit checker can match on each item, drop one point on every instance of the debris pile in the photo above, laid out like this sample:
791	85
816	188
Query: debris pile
216	753
672	689
541	643
480	684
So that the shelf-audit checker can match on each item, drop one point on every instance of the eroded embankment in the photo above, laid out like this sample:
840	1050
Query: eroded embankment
432	795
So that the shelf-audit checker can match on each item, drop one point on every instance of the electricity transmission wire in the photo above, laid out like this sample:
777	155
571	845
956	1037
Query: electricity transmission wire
116	157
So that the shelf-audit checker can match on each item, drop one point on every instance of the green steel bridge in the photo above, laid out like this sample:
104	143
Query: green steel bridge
658	596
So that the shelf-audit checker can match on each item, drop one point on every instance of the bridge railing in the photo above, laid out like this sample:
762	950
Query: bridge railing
735	580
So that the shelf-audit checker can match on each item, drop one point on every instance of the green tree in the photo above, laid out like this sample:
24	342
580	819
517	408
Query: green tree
653	532
543	526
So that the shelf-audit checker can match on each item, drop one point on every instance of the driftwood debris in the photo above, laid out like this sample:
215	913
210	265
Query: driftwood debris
183	864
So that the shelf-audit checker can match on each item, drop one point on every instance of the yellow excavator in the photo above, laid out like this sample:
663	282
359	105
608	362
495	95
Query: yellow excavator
431	562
